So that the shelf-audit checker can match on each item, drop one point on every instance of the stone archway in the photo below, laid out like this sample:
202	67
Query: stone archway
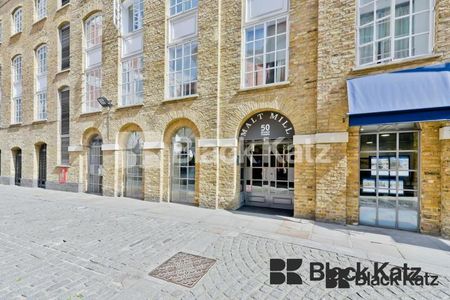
267	160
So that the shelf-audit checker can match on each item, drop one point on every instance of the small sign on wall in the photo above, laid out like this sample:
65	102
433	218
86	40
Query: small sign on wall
63	174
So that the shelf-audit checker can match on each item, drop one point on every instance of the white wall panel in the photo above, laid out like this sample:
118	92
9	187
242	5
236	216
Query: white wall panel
257	9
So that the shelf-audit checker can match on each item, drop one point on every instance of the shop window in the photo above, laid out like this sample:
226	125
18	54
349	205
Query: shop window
389	178
394	29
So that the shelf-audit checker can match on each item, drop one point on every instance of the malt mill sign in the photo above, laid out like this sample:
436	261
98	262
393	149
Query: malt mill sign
267	125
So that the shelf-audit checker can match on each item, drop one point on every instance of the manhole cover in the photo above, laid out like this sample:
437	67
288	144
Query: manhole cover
183	269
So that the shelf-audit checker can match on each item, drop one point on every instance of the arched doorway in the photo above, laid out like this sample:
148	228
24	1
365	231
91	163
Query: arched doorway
133	169
95	166
183	167
17	167
267	161
42	166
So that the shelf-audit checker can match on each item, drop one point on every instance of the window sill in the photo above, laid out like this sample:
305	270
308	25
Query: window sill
63	166
130	106
37	22
37	122
63	71
91	113
396	63
15	125
62	7
265	87
190	97
15	35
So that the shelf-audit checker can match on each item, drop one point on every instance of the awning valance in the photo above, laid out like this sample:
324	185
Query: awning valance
421	94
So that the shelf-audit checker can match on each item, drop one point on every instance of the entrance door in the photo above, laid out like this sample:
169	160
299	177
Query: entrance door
18	167
42	170
133	173
183	167
95	176
269	174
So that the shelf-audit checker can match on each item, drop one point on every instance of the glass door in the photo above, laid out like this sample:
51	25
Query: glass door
42	170
95	169
18	167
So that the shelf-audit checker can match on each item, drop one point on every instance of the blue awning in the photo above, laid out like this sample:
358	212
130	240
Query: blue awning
421	94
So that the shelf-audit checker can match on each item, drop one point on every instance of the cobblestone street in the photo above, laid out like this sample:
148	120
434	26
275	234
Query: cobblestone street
77	246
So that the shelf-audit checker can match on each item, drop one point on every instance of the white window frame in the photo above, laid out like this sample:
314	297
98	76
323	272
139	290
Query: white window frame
41	73
17	20
17	76
392	37
254	23
91	105
183	11
124	7
41	9
193	11
136	99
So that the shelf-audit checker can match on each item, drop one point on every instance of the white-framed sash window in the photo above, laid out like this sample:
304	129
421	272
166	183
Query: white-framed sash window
41	82
265	53
17	19
391	30
132	80
17	90
93	63
182	64
41	9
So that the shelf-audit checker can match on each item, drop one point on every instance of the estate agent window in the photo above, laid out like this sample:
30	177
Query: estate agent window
266	42
183	48
93	61
389	175
394	29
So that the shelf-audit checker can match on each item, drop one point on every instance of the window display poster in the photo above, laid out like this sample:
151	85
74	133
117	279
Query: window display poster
403	166
393	187
369	185
383	185
382	165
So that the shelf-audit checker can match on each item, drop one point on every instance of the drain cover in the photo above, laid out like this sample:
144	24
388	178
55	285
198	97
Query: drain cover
183	269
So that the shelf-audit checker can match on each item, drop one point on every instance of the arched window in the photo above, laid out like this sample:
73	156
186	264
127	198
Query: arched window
183	166
93	55
41	82
134	164
17	89
17	19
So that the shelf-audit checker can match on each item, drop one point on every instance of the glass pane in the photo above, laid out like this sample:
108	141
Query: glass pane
366	34
365	160
367	211
369	142
388	141
421	22
366	14
420	44
419	5
401	7
408	212
408	141
387	212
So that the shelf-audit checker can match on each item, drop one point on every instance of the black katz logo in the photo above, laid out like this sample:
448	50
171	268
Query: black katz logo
284	271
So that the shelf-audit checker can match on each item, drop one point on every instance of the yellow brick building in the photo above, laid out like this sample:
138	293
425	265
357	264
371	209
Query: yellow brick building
228	103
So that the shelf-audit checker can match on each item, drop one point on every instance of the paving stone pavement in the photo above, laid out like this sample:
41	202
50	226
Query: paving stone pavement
64	246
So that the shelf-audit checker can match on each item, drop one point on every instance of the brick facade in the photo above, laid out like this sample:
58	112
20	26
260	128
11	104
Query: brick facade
321	58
